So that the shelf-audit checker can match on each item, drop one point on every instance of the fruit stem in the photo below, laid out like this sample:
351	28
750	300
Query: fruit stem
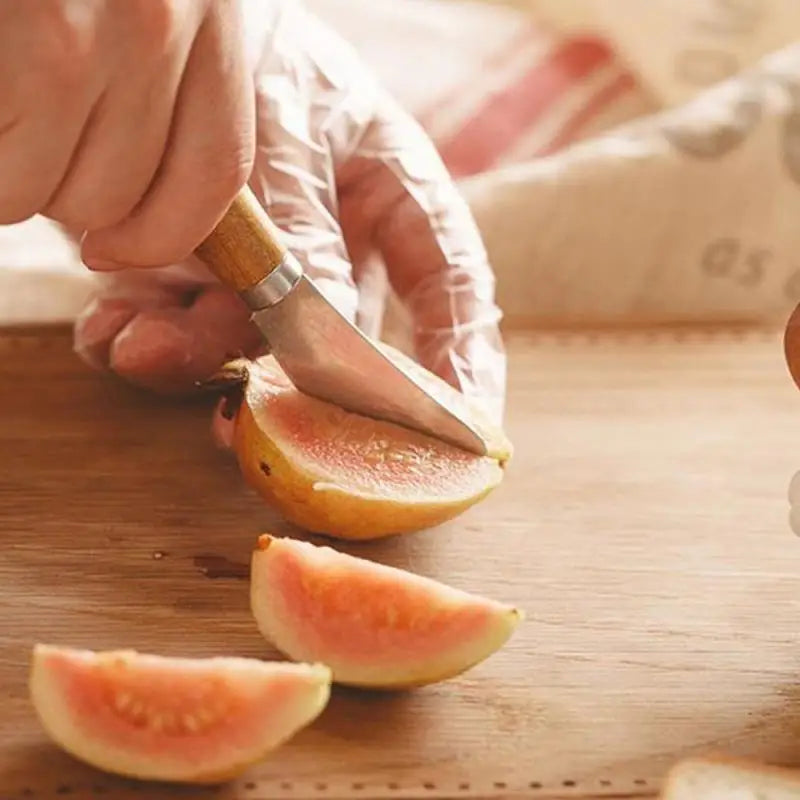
232	375
264	541
229	381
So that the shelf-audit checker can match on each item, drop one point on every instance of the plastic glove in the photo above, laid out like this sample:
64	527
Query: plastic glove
357	188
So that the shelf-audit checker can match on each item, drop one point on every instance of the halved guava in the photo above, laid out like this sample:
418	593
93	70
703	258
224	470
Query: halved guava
373	625
345	475
151	717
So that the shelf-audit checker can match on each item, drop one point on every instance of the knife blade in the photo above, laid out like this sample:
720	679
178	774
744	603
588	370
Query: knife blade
321	351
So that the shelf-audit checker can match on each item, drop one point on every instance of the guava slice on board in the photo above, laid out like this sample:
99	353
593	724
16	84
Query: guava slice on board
374	625
345	475
191	720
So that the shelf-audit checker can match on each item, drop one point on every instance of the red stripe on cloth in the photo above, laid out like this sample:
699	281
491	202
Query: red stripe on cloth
511	111
507	52
600	101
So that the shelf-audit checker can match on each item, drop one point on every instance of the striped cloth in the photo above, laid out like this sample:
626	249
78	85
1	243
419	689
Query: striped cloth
490	84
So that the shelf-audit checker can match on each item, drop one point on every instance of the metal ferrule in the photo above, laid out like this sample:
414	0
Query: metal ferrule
275	286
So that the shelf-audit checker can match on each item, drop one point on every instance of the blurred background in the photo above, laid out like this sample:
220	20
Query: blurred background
626	161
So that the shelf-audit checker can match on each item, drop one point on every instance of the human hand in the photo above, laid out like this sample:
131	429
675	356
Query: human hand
353	182
130	121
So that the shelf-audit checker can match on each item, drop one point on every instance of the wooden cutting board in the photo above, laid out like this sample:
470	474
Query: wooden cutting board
642	527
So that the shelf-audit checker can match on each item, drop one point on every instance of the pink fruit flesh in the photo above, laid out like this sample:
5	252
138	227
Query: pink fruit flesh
373	615
147	710
373	625
160	718
359	453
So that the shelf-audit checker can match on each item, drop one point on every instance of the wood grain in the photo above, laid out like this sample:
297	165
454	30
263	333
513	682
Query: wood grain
245	246
642	527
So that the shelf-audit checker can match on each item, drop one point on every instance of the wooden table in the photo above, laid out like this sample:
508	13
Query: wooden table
642	527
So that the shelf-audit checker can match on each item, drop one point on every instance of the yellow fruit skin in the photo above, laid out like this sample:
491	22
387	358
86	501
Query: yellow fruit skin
330	511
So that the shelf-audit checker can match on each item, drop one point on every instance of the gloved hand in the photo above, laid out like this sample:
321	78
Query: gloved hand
356	186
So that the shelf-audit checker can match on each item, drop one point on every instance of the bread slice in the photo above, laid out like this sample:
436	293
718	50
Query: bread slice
730	779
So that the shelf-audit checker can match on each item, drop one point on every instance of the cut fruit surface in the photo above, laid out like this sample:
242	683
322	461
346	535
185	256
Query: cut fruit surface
373	625
187	720
333	472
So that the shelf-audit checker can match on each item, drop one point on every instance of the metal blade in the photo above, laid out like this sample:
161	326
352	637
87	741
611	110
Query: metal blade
326	356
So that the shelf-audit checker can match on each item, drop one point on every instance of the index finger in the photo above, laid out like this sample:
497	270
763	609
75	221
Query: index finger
396	197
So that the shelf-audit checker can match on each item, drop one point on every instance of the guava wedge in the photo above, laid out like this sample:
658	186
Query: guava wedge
374	625
345	475
188	720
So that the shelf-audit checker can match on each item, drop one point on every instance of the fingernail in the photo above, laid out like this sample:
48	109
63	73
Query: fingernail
102	264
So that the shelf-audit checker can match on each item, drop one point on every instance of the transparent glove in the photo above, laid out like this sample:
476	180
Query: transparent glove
360	193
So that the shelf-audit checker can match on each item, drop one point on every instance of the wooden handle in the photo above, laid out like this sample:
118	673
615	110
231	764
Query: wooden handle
245	246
